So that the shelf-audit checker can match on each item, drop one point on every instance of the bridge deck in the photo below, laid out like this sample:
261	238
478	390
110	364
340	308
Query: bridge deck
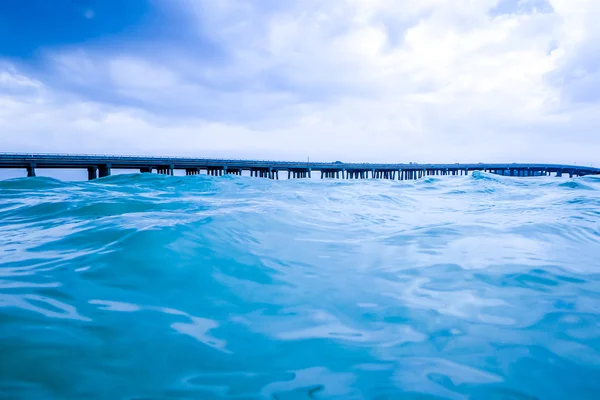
104	163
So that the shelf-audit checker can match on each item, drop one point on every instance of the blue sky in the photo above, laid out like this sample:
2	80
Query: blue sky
355	80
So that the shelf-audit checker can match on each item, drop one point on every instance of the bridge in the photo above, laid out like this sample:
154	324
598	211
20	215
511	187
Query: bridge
99	166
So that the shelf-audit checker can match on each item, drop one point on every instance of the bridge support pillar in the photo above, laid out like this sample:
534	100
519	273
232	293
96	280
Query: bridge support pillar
31	171
146	170
92	173
104	170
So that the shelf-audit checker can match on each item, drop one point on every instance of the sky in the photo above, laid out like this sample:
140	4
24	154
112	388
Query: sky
351	80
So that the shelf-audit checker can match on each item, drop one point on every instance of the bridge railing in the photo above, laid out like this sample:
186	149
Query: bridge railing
138	157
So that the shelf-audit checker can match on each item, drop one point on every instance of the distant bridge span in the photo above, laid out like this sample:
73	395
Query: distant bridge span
99	166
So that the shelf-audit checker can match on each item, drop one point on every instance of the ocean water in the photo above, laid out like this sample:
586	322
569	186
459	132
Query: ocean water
157	287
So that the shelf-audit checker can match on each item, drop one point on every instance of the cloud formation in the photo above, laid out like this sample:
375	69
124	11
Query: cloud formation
358	80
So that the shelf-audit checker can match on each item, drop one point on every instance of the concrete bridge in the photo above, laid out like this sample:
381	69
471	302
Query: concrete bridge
99	166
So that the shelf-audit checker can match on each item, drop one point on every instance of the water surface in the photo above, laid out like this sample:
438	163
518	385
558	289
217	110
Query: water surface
157	287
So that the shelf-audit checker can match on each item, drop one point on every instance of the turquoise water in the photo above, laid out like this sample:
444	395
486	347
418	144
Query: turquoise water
156	287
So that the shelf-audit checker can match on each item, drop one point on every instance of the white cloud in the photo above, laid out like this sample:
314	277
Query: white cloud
128	73
577	74
361	80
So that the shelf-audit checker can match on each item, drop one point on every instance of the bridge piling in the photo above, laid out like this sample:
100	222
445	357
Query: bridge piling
104	170
92	173
31	171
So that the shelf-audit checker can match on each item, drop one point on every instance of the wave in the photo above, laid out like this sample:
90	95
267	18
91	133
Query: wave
575	184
